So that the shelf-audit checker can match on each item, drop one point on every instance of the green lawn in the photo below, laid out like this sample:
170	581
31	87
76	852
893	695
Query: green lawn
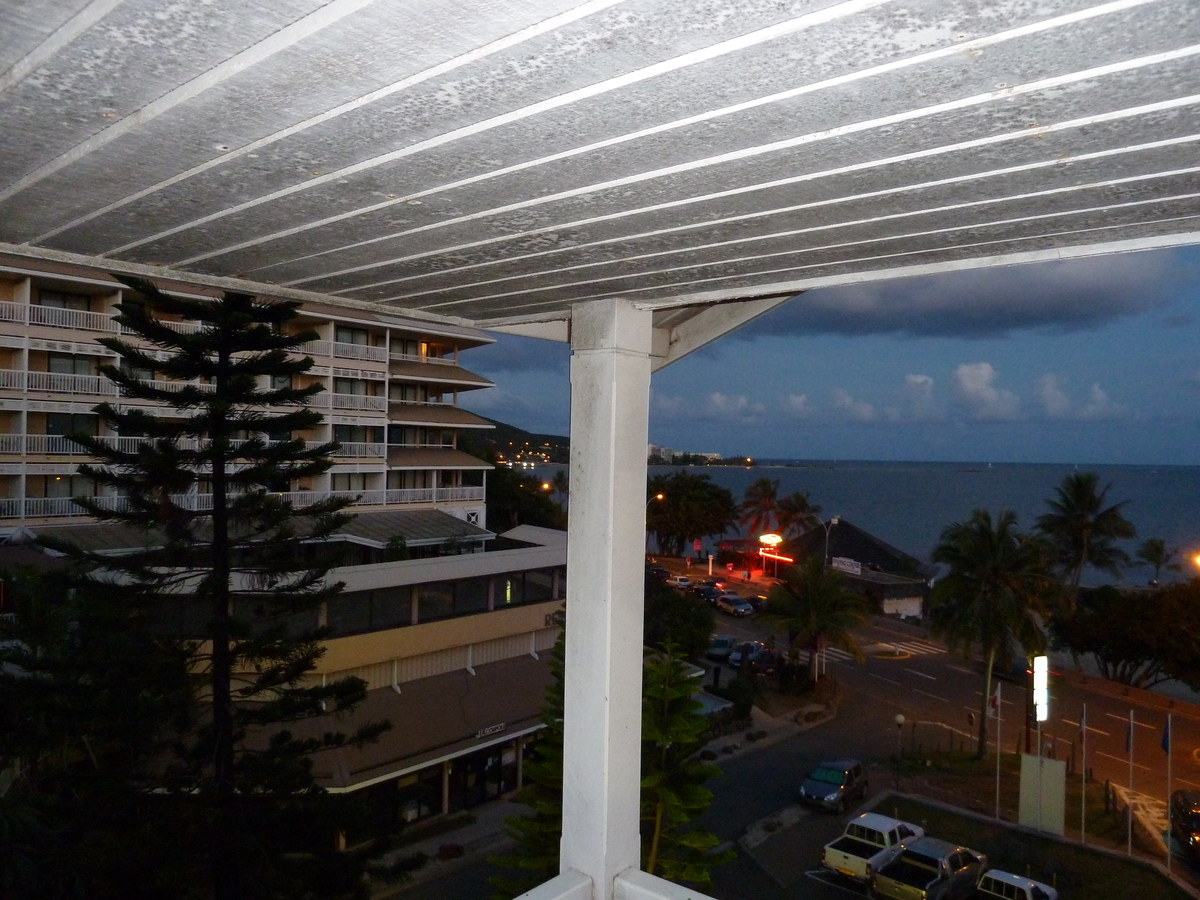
1077	871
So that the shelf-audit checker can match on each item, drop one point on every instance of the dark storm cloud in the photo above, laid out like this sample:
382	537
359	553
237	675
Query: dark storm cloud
1060	296
511	354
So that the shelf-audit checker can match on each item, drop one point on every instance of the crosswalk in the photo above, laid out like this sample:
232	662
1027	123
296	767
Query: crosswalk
914	647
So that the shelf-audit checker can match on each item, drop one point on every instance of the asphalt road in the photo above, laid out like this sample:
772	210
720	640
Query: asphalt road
934	689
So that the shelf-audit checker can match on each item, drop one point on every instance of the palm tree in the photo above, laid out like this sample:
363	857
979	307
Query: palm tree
793	511
759	509
816	608
1082	529
994	594
1155	553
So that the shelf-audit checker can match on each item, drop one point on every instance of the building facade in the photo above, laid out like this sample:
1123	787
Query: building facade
451	640
391	398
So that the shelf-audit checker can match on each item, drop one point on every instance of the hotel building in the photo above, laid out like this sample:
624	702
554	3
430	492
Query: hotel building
450	640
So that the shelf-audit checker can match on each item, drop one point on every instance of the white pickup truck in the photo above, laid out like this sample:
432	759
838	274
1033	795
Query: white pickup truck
869	842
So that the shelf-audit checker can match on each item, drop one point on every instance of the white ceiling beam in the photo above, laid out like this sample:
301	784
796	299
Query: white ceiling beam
708	325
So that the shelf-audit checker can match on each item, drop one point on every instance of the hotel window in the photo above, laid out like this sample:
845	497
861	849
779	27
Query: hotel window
351	386
354	434
61	300
281	382
344	335
72	423
348	481
68	364
62	486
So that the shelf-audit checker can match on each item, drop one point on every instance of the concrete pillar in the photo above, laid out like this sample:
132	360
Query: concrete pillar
610	393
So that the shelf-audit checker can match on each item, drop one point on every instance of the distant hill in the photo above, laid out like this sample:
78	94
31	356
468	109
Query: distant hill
508	442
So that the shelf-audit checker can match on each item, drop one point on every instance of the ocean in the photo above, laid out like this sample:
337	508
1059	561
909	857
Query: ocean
908	504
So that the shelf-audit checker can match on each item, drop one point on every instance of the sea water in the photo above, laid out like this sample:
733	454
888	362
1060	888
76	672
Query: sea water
908	504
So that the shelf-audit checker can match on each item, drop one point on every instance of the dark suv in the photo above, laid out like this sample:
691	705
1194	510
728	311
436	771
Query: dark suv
832	785
1185	821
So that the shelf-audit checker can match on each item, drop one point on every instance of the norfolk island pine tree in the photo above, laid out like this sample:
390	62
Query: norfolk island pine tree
252	563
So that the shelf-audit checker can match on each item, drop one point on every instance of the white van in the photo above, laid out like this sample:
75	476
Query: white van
997	884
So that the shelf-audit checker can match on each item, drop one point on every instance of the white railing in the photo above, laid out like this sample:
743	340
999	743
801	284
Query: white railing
419	402
416	357
12	443
423	445
52	507
55	383
360	449
57	317
12	379
340	350
354	401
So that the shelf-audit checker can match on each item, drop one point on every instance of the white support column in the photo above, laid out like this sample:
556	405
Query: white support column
610	395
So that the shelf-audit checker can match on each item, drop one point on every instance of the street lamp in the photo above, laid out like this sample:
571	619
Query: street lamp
827	526
648	502
899	745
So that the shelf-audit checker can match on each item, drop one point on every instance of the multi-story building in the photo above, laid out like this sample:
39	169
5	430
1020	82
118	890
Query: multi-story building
450	640
391	398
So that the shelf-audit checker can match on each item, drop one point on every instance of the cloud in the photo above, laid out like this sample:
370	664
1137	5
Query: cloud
918	392
736	405
1051	393
974	383
1099	406
854	410
1060	296
1052	396
798	405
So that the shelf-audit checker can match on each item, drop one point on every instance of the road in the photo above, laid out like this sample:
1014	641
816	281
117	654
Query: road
930	687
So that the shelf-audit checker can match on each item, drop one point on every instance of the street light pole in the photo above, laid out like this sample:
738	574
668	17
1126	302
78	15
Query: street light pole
899	745
827	526
648	502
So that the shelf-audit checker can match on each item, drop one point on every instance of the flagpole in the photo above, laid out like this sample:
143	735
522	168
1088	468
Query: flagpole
1083	775
1167	747
999	712
1129	801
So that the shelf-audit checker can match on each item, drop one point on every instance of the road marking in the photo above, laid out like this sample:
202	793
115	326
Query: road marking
881	678
1185	781
1125	719
960	669
1124	761
927	694
828	879
921	674
1089	728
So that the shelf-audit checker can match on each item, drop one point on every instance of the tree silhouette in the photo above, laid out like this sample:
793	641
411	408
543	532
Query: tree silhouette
760	507
817	609
994	594
1154	553
1083	529
243	563
795	513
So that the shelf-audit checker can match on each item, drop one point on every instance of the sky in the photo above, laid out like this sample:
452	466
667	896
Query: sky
1082	361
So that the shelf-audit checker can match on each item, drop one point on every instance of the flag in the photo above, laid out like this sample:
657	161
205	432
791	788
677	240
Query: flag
994	703
1083	722
1166	737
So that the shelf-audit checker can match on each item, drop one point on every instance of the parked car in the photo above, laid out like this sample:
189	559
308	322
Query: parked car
1185	821
995	884
658	573
758	601
720	647
743	650
734	606
708	594
869	842
706	582
930	869
766	662
679	581
833	784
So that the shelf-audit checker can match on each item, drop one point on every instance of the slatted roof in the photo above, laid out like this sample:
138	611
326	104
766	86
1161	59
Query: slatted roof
496	162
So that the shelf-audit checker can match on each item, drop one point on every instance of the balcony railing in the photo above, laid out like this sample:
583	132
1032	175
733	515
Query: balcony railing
52	507
361	449
350	401
417	358
340	350
56	317
97	385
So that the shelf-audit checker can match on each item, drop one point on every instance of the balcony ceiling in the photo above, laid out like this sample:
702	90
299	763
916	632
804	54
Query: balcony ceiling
498	160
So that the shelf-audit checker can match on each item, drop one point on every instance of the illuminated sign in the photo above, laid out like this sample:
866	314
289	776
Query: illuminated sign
1041	688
